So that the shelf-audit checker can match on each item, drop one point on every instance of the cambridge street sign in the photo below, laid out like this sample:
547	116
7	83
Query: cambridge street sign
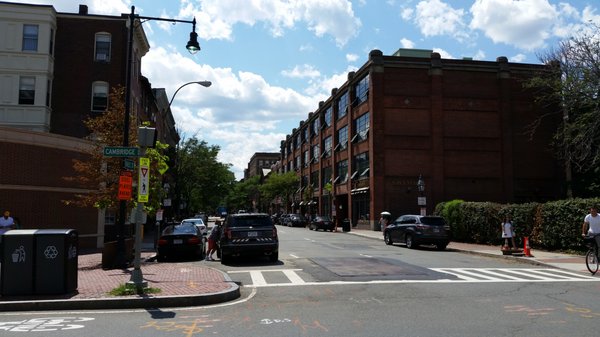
111	151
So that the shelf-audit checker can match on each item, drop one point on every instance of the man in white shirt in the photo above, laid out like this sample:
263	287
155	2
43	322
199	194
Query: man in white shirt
6	223
591	222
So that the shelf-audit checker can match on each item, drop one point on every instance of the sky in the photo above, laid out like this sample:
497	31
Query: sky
271	61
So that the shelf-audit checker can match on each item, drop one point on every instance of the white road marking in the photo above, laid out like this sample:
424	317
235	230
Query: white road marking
294	256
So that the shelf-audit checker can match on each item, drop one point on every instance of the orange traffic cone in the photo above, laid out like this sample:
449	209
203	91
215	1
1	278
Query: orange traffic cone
527	249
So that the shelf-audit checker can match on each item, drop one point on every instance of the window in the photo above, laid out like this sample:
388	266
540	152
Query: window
361	89
27	90
298	141
361	166
51	42
342	104
316	153
102	47
48	93
342	138
314	179
297	165
30	37
304	135
327	117
327	143
306	158
99	96
361	125
315	127
326	176
342	171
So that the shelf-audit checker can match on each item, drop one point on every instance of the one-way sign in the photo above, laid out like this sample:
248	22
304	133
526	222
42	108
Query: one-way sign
112	151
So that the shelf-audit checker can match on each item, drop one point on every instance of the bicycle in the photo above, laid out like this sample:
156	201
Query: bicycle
592	262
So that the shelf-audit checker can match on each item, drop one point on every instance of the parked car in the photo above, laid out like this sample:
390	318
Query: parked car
296	220
414	230
202	216
198	222
323	222
249	234
183	239
283	219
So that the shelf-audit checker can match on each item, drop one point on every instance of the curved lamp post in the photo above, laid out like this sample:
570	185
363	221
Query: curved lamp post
422	201
202	83
192	46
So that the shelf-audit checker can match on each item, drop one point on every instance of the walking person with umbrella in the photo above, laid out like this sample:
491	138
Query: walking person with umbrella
385	219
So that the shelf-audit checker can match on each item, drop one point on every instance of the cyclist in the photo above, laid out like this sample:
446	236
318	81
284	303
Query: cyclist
591	225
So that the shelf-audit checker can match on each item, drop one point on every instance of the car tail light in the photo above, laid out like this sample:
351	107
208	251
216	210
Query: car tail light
162	241
193	241
274	232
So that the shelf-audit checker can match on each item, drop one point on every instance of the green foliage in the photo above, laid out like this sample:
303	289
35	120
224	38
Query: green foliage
554	225
127	290
280	185
202	181
242	194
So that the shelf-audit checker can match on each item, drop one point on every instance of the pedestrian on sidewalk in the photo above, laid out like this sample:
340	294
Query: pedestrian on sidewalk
6	223
508	231
215	234
385	219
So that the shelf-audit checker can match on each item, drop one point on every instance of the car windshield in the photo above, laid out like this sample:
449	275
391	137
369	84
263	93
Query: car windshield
433	221
181	229
254	221
196	222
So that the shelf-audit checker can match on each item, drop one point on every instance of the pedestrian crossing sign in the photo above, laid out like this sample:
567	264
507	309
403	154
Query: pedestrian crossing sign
144	179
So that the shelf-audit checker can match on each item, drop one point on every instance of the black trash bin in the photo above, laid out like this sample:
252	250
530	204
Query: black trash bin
17	262
346	225
55	265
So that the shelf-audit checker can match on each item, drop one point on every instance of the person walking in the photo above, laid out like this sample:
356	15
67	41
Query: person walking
213	236
6	223
508	231
384	221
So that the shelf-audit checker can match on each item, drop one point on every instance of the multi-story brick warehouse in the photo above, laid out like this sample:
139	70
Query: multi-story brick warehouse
460	124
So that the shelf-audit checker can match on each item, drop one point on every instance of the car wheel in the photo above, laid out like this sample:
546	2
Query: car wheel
387	238
274	257
410	244
160	258
441	246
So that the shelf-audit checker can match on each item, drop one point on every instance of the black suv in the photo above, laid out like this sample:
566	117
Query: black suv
249	234
414	230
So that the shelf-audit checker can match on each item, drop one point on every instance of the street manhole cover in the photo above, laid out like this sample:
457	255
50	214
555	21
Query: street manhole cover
367	267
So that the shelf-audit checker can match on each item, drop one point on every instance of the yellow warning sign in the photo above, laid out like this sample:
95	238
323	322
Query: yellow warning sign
144	180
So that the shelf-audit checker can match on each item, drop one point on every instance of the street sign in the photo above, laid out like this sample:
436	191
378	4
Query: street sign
128	164
119	151
125	183
144	180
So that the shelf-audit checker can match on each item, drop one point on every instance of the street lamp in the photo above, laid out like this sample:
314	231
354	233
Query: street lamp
193	47
202	83
421	200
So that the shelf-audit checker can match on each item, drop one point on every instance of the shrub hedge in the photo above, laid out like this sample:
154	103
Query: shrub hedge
554	225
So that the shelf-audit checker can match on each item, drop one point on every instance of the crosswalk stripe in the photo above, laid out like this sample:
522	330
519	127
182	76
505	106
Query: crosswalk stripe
257	278
293	276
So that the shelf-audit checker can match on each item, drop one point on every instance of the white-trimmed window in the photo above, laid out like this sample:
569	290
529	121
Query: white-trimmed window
30	37
99	96
27	90
102	53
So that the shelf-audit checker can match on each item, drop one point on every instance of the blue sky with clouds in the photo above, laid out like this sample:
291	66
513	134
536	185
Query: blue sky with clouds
272	61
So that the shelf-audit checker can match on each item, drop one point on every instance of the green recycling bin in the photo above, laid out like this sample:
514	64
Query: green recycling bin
55	265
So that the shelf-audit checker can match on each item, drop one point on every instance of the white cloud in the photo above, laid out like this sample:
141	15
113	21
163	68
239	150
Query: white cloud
524	24
479	55
407	14
444	54
351	57
302	71
435	18
519	58
406	43
217	17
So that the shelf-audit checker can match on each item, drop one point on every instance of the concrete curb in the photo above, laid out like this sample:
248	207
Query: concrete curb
127	302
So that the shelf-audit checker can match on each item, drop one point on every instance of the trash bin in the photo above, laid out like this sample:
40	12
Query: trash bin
55	265
17	262
346	225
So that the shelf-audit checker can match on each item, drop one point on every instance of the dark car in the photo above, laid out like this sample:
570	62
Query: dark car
321	222
296	220
249	234
181	240
414	230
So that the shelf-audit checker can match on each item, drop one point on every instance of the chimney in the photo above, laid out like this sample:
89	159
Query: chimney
83	9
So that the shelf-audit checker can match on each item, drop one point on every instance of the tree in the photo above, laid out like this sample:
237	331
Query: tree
99	174
201	181
243	193
280	185
574	89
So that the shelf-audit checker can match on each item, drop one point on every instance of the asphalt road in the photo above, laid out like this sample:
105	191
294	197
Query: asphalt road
335	284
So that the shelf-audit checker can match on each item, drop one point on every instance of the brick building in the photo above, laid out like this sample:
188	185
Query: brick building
261	163
459	124
56	69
